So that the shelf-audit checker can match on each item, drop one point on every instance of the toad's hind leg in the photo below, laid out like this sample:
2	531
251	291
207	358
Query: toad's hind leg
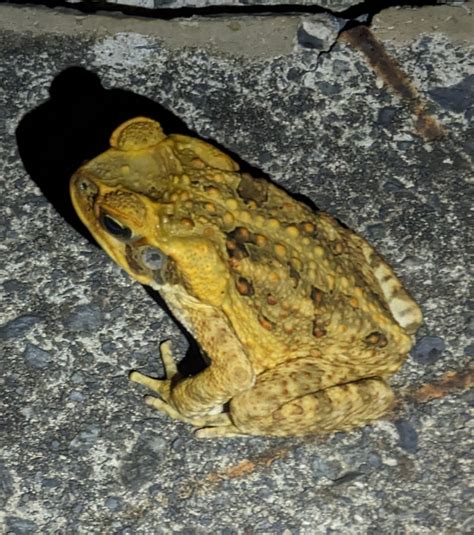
284	404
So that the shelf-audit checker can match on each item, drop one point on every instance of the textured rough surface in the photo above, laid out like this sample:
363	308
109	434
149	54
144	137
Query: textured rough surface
81	454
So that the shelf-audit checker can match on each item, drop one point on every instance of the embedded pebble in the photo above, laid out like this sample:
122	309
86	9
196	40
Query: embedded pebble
428	349
109	348
376	231
18	327
470	326
469	350
75	395
386	116
393	186
413	261
20	526
36	357
157	443
457	98
86	439
330	469
6	484
408	436
374	459
85	318
113	503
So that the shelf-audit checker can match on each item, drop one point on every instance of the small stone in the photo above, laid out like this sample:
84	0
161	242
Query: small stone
77	378
50	483
428	349
55	445
36	357
413	261
374	459
328	89
408	436
113	503
341	67
319	32
178	444
155	489
6	484
393	186
20	526
75	395
307	40
376	231
85	439
469	350
156	443
18	327
330	469
457	98
109	348
386	116
85	318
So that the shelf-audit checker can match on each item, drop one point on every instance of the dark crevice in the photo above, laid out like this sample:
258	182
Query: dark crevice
367	9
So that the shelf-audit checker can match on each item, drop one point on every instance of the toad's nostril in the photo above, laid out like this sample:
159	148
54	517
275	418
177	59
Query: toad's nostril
86	187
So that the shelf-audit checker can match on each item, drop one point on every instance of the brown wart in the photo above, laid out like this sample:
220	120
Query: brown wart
316	295
376	339
307	228
244	287
265	323
294	274
319	327
236	250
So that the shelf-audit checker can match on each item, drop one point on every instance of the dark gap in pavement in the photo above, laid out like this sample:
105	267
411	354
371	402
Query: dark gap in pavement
368	9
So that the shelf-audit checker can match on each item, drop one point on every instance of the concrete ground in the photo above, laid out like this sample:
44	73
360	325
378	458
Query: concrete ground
373	125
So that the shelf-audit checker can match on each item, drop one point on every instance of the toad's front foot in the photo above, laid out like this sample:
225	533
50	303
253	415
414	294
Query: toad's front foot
163	388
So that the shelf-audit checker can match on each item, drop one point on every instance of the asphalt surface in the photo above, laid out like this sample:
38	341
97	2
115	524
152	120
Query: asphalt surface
374	126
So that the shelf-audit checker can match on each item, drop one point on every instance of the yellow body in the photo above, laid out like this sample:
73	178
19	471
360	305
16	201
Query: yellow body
301	319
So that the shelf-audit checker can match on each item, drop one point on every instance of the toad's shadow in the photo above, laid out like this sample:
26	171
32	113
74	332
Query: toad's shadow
73	126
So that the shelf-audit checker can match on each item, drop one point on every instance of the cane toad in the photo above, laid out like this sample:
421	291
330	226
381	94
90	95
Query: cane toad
301	319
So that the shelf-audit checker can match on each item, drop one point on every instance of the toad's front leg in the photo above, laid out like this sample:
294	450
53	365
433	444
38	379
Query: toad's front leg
163	387
196	399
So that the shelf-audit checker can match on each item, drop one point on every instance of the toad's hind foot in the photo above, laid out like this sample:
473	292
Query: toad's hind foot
207	421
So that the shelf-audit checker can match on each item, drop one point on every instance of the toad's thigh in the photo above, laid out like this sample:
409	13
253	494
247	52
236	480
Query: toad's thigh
294	399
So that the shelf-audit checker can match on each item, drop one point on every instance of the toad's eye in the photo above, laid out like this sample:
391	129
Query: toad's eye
115	228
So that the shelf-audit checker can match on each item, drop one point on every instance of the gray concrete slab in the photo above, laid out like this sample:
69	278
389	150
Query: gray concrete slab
330	5
386	152
334	5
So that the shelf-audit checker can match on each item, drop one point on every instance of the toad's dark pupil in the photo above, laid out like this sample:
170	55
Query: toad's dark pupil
115	228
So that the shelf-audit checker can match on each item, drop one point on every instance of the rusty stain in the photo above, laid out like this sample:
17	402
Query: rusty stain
247	466
388	69
449	383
